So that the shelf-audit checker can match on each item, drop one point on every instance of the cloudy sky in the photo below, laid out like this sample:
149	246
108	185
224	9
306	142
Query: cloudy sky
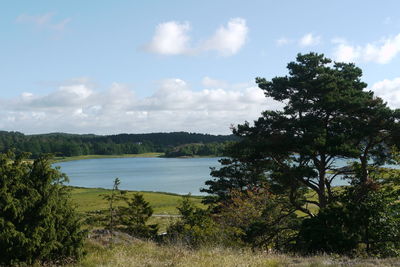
108	67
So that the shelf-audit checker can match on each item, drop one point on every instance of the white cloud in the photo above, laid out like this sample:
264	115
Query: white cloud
346	53
70	95
174	106
230	39
309	40
208	82
388	90
381	52
172	38
44	21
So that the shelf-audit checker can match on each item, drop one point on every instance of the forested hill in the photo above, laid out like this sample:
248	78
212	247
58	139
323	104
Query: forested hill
63	144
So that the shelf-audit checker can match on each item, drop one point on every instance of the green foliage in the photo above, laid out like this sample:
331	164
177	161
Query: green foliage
253	218
135	217
37	220
259	218
190	150
131	218
331	231
195	228
233	175
366	221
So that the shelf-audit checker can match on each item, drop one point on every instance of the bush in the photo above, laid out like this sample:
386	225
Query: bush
365	222
254	218
331	231
134	217
37	220
259	218
196	227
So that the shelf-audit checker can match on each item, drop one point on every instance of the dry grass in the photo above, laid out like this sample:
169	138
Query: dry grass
145	253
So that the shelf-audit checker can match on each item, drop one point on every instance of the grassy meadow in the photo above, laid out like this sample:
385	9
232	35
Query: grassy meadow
89	200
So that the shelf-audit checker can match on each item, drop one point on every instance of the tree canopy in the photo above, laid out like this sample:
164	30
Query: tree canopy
328	118
330	128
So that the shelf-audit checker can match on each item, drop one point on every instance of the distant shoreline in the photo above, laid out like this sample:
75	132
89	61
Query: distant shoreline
142	155
81	157
73	187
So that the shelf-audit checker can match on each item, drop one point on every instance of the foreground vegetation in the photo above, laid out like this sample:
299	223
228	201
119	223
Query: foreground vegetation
147	253
129	251
38	222
203	249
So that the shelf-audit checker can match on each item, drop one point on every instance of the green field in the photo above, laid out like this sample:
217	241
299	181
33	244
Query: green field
90	199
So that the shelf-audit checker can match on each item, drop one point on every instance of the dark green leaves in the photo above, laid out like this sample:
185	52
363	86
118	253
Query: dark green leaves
37	220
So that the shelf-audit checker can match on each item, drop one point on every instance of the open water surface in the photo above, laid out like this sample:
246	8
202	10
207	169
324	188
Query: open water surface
174	175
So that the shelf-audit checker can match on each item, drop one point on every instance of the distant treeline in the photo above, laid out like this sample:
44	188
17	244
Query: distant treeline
190	150
62	144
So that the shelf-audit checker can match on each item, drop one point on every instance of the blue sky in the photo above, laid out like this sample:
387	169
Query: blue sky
143	66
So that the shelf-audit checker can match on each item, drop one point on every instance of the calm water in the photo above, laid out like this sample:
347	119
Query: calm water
181	176
173	175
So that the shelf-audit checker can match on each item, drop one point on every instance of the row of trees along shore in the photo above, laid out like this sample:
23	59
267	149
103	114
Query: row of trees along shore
61	144
275	190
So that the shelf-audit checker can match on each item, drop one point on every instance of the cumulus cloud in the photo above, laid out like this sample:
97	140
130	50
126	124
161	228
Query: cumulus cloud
208	82
172	38
174	106
44	21
64	96
229	39
309	40
381	52
388	90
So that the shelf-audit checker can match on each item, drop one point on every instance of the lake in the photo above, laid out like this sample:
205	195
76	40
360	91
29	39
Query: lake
174	175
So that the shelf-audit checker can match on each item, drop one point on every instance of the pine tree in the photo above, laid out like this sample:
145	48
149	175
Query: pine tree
37	220
136	215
